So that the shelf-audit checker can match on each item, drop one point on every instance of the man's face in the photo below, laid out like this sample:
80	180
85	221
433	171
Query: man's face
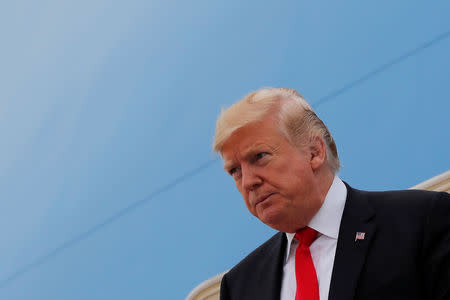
276	179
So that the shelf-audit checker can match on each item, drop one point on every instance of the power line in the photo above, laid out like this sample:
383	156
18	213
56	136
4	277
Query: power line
133	206
381	68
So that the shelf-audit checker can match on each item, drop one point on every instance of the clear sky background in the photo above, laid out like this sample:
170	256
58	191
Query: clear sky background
107	103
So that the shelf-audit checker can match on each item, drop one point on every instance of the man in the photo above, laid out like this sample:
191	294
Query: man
335	242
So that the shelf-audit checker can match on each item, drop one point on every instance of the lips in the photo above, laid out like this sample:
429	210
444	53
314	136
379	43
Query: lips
262	198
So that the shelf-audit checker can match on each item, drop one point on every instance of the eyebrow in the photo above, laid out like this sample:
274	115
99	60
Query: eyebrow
228	164
252	149
245	154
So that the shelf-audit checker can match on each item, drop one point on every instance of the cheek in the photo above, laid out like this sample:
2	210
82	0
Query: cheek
247	203
245	197
241	191
292	184
251	209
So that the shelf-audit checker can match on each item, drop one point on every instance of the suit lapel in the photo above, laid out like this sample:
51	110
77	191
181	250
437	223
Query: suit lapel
350	255
269	280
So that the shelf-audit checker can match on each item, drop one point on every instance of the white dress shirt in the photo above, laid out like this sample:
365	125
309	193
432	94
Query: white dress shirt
326	222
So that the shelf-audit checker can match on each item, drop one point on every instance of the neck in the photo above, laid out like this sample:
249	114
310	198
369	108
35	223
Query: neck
325	180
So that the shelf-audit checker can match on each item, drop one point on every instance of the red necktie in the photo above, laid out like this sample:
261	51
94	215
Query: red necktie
305	273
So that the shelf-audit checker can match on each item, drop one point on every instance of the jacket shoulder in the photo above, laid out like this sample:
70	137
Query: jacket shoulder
401	199
269	248
257	276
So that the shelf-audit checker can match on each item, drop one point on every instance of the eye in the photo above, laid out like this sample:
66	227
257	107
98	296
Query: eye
260	155
235	173
232	171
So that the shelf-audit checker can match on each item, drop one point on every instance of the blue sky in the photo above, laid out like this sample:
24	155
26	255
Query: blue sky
103	103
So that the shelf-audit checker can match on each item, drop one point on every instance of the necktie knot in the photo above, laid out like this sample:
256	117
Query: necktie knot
306	236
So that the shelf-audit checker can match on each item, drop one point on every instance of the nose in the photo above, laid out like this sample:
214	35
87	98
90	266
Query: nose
250	178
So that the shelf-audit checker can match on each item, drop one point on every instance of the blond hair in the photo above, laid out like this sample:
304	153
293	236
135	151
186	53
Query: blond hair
297	120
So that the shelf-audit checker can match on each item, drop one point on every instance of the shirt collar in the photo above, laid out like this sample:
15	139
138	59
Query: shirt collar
328	219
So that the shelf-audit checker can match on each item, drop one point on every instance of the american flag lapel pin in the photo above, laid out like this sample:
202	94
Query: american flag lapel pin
360	236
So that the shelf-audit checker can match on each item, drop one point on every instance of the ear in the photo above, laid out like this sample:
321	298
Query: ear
318	153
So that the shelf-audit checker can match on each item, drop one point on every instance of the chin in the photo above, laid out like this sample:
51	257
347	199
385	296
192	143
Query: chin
281	227
274	219
280	221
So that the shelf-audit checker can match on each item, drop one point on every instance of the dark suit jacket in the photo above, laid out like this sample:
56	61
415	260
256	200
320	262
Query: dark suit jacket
405	253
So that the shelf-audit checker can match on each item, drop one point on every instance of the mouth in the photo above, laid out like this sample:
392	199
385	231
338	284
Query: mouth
263	198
